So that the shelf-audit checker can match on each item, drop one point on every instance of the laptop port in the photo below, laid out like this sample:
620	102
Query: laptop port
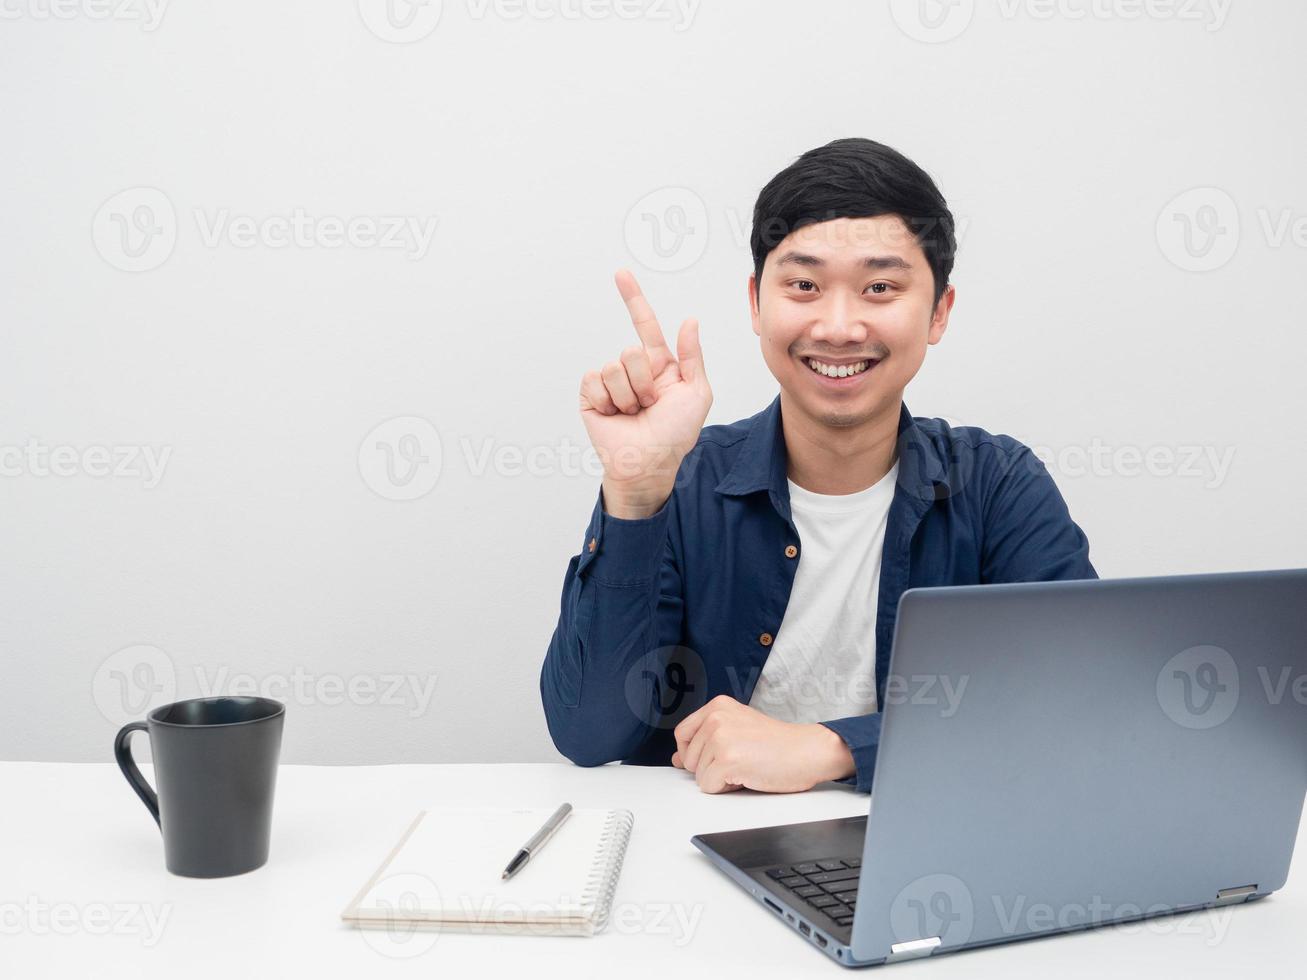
821	940
803	928
773	906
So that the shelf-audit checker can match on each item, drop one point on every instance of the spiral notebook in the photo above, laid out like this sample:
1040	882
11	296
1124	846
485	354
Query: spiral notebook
444	873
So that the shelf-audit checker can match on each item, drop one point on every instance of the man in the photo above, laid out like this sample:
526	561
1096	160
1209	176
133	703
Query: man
732	607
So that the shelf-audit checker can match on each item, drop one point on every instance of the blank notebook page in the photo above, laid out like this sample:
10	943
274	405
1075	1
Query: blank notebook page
462	852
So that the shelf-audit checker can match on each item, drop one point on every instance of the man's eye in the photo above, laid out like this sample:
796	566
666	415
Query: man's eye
879	287
806	285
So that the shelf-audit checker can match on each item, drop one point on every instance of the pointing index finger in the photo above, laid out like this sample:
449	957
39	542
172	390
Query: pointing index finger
642	314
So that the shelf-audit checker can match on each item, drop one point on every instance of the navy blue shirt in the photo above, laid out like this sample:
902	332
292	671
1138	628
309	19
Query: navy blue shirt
661	614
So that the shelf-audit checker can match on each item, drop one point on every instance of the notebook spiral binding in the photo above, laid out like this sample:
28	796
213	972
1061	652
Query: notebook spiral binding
601	882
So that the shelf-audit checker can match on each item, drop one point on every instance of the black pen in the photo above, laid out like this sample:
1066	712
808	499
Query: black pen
537	841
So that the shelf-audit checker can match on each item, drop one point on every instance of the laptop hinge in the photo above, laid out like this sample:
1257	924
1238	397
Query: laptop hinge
912	950
1231	896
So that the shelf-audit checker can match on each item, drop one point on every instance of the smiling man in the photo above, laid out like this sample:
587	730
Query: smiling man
731	609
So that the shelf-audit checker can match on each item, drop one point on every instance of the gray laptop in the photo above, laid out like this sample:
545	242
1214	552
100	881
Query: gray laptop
1057	756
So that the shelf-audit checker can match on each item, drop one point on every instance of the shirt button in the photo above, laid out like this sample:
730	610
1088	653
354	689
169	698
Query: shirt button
791	551
765	639
592	545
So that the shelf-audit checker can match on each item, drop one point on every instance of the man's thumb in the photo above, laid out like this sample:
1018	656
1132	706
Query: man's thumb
689	354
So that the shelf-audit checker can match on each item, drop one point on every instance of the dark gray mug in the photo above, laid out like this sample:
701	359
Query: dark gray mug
215	763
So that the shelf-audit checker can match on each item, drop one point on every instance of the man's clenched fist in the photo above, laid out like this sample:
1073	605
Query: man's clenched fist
728	745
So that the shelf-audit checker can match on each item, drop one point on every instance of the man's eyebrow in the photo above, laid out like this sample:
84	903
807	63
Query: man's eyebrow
888	262
800	258
881	262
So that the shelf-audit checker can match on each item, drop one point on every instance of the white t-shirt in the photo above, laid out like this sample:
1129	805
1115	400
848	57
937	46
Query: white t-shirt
822	664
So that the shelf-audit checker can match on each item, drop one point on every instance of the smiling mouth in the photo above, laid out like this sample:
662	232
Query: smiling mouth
828	369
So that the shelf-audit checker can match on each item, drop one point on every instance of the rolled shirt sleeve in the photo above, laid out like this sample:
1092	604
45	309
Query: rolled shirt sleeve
621	599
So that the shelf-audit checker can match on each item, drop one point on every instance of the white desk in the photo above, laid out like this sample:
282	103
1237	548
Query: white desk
84	892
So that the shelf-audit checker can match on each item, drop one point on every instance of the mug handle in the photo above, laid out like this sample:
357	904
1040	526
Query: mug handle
122	752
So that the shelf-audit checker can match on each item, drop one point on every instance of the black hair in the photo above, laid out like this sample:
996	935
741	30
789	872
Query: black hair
854	178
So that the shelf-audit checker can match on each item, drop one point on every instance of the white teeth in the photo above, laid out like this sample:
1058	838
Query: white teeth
838	371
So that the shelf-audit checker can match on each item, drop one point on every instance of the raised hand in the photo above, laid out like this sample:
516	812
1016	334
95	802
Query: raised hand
644	411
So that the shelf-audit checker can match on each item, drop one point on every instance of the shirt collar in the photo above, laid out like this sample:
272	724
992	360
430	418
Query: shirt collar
761	463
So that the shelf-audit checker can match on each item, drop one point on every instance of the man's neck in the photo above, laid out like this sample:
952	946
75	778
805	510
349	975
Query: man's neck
833	460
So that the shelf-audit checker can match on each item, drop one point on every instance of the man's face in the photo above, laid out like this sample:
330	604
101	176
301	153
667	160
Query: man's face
852	295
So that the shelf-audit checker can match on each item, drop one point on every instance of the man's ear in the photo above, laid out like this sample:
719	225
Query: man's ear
939	322
753	304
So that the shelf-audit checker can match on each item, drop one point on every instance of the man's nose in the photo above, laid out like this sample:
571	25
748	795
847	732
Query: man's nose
839	322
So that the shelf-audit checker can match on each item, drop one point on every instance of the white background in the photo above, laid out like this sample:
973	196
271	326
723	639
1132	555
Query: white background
1068	139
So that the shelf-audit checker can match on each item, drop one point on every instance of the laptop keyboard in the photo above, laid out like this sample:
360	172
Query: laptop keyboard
829	886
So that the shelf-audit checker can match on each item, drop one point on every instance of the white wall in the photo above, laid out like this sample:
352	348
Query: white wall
1062	142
